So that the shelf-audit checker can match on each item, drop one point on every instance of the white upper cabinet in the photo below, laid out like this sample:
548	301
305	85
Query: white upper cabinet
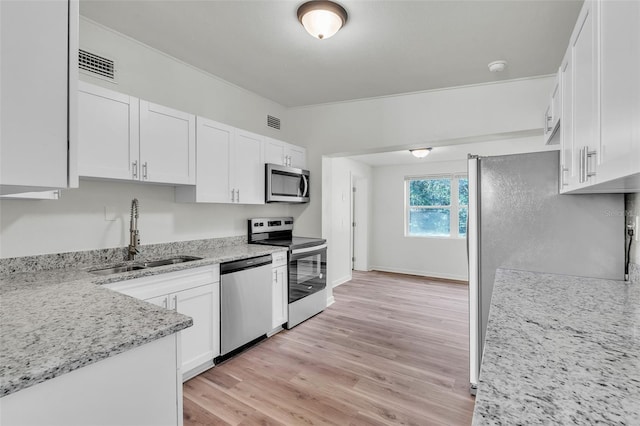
108	133
600	89
38	77
214	142
230	166
167	145
122	137
285	154
553	113
619	154
247	171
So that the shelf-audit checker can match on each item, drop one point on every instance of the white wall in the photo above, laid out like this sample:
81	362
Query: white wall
391	250
77	221
431	118
339	238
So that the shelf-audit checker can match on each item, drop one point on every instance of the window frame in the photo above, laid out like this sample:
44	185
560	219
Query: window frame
454	206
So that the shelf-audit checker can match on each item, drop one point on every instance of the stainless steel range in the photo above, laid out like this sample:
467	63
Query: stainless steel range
307	266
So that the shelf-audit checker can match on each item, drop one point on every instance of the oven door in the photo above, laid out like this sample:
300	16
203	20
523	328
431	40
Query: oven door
307	272
286	184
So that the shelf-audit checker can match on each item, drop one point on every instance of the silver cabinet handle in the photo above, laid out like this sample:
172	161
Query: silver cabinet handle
164	303
275	274
582	165
144	170
233	195
175	303
237	195
134	168
548	122
563	170
588	156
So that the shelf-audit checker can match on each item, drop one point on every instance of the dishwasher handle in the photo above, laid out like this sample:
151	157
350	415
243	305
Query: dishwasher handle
242	264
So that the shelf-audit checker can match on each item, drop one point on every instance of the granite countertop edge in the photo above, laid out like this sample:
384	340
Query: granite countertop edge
560	350
22	316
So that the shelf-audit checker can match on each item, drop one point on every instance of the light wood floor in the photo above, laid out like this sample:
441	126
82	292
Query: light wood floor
392	349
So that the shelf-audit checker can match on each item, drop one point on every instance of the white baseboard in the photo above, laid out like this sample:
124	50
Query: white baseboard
421	273
342	280
330	301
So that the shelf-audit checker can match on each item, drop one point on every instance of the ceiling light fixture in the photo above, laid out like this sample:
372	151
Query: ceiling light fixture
497	66
421	152
322	19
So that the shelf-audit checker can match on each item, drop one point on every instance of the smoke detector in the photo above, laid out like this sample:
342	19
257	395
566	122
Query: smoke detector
497	66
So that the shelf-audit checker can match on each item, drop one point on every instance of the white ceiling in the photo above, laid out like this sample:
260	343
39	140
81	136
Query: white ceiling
458	152
387	47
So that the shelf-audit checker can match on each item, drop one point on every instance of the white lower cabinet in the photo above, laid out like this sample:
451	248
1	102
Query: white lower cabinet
192	292
280	290
137	387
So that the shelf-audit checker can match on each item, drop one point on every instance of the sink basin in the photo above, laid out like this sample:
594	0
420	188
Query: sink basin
170	261
117	269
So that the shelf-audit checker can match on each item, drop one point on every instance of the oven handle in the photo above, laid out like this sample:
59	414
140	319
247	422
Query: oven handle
309	249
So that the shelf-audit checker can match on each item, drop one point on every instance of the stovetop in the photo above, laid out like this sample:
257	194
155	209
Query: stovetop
292	242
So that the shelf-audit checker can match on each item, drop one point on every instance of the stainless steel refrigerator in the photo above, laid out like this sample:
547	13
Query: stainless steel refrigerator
517	219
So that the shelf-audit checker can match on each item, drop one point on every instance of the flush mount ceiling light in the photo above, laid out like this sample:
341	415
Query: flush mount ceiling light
497	66
322	19
421	152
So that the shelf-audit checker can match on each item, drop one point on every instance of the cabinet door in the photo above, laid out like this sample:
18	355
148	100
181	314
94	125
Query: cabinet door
162	301
200	341
568	171
248	168
35	75
297	156
279	297
619	89
167	145
108	133
585	96
214	142
274	151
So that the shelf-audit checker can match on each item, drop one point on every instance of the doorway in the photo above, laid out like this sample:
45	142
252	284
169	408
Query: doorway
359	223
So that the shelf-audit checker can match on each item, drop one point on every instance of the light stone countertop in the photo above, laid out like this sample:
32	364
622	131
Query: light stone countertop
58	320
560	350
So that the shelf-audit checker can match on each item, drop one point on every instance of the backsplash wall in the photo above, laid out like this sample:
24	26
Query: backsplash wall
77	221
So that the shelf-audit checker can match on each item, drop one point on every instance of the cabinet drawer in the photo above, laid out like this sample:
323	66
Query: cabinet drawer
171	282
279	259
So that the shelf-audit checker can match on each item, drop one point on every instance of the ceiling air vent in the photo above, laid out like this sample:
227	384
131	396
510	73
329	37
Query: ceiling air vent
96	65
273	122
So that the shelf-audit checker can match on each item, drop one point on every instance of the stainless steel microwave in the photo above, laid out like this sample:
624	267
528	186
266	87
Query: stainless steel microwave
286	184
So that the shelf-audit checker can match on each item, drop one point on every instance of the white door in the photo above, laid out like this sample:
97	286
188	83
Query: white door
274	151
248	168
34	41
167	144
199	340
279	296
568	169
619	89
297	156
108	133
585	96
214	141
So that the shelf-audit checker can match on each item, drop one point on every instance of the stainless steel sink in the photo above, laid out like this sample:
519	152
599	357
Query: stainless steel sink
117	269
170	261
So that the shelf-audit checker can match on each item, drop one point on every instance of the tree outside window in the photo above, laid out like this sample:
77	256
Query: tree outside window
436	205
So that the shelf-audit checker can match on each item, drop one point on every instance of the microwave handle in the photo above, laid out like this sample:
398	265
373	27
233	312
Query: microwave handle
305	192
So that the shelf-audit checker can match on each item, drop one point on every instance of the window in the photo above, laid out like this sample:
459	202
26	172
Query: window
436	206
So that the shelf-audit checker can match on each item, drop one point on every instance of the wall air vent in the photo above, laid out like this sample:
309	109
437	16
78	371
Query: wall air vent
273	122
96	65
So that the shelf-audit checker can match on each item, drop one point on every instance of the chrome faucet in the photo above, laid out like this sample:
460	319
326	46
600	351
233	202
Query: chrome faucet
134	234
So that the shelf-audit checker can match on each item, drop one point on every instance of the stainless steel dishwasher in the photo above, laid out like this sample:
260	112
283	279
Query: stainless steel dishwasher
245	303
